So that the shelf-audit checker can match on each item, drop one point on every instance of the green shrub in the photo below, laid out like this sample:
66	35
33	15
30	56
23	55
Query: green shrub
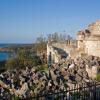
42	67
98	77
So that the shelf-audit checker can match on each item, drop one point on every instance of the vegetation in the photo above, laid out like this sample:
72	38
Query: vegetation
23	59
2	64
41	43
98	77
32	55
41	47
59	37
42	67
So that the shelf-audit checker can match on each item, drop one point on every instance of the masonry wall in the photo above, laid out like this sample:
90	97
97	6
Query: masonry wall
80	44
54	56
92	72
92	48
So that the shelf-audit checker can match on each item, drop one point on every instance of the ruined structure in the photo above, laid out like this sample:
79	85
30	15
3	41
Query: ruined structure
58	50
89	39
89	44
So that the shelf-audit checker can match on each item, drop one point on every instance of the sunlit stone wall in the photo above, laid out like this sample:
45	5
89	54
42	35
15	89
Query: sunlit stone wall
91	43
92	48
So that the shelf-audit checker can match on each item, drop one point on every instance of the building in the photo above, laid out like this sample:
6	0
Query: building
89	44
89	39
59	50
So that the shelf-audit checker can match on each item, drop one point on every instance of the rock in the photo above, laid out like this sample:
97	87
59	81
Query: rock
78	78
53	76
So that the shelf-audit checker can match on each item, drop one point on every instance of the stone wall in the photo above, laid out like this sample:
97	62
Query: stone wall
55	56
95	28
89	39
89	42
93	71
92	48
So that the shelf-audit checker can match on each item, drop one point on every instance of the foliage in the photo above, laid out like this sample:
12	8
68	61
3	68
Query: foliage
15	98
59	37
2	64
41	47
42	67
23	58
40	44
76	95
98	77
11	63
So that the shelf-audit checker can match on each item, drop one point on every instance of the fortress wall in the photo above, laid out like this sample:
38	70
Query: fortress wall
92	72
60	45
92	48
80	44
54	55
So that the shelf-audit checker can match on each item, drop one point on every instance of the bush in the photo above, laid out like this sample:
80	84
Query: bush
22	60
98	77
11	63
42	67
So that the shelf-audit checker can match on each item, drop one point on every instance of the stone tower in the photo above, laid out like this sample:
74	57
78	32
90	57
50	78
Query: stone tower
89	39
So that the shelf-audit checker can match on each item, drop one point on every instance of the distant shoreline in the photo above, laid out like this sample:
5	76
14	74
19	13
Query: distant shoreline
7	49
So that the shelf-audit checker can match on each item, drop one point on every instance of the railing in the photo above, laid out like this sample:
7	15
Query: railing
90	92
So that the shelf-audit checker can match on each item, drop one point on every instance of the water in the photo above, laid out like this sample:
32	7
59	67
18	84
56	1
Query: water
4	45
4	55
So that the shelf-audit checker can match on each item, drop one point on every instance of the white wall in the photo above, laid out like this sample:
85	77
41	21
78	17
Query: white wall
92	48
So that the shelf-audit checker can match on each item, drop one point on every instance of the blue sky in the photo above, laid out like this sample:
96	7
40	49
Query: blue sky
21	21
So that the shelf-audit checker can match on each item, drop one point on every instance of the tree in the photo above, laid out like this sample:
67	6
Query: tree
55	36
59	37
41	47
22	60
11	63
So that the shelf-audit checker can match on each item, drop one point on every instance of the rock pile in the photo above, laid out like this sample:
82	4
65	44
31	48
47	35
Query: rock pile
59	77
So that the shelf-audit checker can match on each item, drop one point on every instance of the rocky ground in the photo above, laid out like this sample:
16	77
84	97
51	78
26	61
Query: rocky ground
68	73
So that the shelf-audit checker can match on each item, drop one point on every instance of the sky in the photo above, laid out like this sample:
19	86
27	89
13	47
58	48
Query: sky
22	21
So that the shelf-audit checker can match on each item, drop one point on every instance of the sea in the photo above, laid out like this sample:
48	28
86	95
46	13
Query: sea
4	55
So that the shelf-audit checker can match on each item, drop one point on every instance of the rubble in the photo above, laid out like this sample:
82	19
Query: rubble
60	76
